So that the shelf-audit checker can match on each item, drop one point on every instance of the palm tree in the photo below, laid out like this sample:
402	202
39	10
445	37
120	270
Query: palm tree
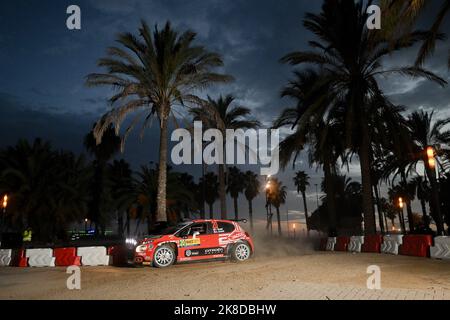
120	176
301	181
422	191
235	186
252	186
277	197
324	136
48	189
428	133
351	56
153	73
221	115
103	152
404	13
211	184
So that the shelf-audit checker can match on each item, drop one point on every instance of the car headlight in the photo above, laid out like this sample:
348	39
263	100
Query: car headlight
141	248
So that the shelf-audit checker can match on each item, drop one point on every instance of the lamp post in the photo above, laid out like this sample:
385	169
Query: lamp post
268	205
401	205
431	168
85	225
293	227
4	206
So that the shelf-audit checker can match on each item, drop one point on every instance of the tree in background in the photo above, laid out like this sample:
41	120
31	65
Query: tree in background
152	73
252	188
101	202
301	181
235	186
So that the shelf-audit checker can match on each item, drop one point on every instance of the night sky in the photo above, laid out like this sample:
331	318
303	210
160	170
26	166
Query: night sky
43	66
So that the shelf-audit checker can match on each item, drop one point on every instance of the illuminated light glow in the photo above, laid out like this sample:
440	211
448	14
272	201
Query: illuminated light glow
432	163
400	202
293	226
430	152
5	201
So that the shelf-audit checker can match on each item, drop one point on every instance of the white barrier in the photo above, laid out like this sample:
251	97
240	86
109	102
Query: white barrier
40	257
331	242
93	256
5	257
355	244
441	249
391	243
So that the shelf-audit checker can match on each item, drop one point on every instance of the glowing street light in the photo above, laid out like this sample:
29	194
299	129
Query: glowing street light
431	154
293	226
401	204
5	202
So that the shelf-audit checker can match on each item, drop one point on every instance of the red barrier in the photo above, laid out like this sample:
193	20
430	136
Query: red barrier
372	243
323	244
416	245
119	255
65	257
19	259
342	244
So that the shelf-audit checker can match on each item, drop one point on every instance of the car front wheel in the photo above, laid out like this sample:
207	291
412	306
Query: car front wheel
241	252
164	256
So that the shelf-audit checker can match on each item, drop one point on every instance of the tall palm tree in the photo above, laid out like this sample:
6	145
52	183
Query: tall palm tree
103	152
220	114
425	133
277	197
120	176
352	57
301	181
422	191
235	186
323	135
252	188
153	72
211	184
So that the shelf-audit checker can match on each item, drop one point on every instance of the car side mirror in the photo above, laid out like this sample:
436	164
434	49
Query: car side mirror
196	233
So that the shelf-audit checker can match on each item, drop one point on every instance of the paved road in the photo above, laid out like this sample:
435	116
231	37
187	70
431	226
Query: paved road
307	276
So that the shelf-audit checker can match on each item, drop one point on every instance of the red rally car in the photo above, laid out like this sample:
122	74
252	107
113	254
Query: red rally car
193	241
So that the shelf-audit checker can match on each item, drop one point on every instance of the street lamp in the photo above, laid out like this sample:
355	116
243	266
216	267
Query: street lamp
5	202
400	203
85	225
293	226
4	205
431	154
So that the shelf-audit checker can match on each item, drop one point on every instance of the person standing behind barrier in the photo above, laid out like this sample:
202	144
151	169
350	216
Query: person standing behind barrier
27	234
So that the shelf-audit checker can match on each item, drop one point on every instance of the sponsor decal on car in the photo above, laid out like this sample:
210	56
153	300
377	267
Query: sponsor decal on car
204	252
189	242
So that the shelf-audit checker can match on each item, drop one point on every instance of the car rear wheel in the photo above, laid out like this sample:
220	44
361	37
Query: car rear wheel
241	252
164	256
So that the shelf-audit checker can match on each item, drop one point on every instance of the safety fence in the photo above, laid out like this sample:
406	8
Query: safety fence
62	257
394	244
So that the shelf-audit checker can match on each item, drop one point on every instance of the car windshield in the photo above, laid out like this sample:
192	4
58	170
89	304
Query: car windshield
172	230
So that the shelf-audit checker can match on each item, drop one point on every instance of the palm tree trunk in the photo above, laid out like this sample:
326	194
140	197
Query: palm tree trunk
331	201
279	221
306	212
380	213
364	156
211	211
408	204
434	203
203	207
120	222
236	212
162	172
222	192
424	212
250	213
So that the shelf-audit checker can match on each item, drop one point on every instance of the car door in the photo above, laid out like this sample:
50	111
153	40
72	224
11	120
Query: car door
197	242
